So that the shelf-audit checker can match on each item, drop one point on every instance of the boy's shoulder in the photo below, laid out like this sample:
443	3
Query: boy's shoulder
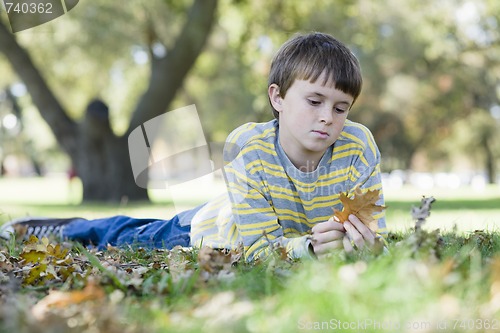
253	132
357	133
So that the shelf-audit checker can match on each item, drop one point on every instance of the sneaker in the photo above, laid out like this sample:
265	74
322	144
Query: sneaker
40	227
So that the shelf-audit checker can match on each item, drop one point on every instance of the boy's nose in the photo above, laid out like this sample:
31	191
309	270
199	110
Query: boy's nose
326	116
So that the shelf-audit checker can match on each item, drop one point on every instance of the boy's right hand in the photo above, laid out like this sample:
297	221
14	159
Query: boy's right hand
327	236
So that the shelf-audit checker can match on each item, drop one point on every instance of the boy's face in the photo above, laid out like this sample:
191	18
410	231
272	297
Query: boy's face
311	118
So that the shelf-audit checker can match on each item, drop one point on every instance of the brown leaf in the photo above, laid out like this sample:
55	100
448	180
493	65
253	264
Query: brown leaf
5	263
212	260
61	299
215	260
495	276
362	205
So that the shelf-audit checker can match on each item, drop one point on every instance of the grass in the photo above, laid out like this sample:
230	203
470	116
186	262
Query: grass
427	281
55	196
464	209
408	289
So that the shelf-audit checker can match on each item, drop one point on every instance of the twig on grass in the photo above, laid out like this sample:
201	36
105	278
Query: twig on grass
420	214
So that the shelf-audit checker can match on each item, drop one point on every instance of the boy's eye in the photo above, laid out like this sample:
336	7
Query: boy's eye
339	110
314	102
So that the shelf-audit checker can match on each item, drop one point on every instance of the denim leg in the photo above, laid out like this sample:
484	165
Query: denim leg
123	230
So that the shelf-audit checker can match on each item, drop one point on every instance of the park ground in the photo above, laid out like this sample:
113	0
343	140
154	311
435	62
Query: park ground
465	208
427	281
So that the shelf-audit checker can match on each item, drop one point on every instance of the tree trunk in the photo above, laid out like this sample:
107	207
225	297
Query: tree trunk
102	162
489	162
105	171
99	157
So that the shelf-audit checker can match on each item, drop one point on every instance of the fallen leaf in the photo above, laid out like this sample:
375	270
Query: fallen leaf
57	251
43	262
213	260
61	299
5	263
495	276
33	256
362	205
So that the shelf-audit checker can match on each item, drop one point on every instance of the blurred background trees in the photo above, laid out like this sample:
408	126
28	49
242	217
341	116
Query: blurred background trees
431	69
99	156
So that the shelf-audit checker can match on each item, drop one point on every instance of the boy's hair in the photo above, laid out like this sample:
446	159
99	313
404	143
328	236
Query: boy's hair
306	57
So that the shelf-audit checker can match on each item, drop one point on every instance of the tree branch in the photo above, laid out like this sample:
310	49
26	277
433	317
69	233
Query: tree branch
50	109
168	73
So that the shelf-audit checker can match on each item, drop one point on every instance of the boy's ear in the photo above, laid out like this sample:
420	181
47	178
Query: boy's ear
275	97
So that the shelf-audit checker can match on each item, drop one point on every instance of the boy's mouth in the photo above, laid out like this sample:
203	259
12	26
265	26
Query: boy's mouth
321	133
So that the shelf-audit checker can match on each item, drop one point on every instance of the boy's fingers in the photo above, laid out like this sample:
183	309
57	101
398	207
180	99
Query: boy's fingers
326	237
347	244
324	248
328	226
362	229
354	235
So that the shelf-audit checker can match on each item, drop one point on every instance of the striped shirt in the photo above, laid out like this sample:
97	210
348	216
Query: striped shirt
269	200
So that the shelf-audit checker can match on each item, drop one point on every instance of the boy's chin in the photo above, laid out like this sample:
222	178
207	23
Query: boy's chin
319	147
316	149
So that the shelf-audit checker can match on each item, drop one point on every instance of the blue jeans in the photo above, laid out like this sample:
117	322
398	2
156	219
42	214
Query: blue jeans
123	230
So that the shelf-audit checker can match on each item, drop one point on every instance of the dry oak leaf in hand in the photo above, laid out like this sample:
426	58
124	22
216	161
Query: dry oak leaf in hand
362	205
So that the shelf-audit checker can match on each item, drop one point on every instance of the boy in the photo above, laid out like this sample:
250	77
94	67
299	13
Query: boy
283	178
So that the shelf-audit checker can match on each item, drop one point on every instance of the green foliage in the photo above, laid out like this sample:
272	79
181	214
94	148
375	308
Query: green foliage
425	65
478	135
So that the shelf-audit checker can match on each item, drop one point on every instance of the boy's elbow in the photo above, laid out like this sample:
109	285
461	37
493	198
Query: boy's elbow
251	254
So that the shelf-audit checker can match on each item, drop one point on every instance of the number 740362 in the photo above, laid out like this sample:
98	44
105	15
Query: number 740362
28	8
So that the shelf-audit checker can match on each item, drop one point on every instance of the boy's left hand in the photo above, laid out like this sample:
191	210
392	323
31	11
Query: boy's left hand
357	234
